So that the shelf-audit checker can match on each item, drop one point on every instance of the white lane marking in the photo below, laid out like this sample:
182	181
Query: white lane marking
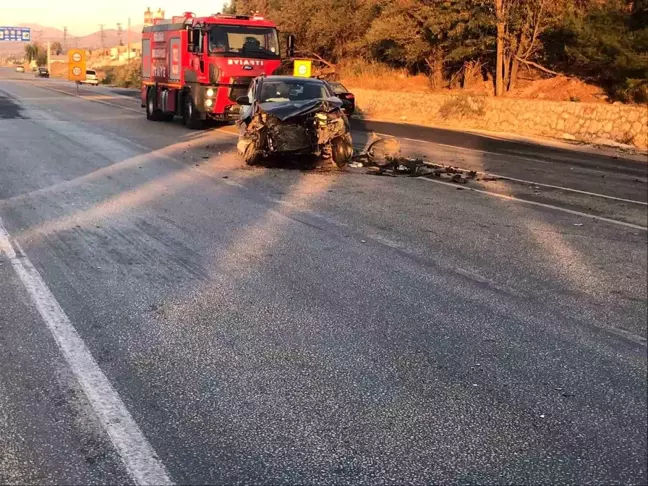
521	157
605	196
595	194
135	451
84	97
534	203
139	112
529	159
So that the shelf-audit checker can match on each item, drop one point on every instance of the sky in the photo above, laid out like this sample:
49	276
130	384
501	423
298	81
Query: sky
82	18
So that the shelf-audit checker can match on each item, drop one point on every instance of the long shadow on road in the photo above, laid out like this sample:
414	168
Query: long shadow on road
289	327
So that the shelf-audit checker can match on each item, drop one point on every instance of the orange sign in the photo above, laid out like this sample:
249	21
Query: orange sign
76	65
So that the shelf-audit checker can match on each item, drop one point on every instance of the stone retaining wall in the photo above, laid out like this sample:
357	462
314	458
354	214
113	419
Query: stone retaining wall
586	122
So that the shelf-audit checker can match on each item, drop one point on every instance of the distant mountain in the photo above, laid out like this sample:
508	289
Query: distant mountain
41	33
110	38
44	33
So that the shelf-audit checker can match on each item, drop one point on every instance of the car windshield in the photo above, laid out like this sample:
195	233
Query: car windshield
91	73
244	41
293	90
338	88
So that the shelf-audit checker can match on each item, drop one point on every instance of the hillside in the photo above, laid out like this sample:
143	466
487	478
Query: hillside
41	33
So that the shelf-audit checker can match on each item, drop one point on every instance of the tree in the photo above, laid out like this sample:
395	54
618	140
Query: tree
501	14
41	57
57	48
606	44
430	36
31	51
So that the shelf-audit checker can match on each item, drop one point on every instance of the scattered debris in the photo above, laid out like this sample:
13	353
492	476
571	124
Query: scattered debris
225	177
355	164
578	224
362	241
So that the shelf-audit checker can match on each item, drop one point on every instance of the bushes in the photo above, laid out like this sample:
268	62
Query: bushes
126	76
608	46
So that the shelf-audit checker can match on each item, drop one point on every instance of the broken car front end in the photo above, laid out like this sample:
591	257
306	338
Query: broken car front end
298	128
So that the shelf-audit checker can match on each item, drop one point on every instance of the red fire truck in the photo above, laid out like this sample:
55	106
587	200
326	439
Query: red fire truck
197	67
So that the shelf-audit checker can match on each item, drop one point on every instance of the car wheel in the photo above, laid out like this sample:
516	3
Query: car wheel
152	113
342	148
190	115
251	156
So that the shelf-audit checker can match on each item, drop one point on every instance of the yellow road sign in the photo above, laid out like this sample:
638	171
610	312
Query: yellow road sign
303	68
76	65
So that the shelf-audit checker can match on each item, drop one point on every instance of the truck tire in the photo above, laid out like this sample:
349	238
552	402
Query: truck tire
152	113
191	116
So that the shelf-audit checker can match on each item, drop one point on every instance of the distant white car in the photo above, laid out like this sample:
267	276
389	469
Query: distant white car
91	78
20	69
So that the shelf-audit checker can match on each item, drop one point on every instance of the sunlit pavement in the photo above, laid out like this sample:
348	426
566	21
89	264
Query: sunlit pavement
285	326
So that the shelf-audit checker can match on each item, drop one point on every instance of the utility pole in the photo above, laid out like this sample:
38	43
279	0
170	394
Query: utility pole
103	36
49	45
65	39
119	33
128	53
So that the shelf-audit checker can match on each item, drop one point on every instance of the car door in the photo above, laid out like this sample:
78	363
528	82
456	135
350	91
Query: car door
245	114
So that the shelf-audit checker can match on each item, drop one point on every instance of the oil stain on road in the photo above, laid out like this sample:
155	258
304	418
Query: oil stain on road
9	109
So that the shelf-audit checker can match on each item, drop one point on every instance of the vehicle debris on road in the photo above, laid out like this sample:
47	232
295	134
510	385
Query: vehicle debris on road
382	156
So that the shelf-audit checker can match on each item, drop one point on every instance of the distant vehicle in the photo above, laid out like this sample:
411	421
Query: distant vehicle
20	69
196	67
293	116
348	99
91	78
42	72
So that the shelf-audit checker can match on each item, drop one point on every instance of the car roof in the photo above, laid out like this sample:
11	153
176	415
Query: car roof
293	78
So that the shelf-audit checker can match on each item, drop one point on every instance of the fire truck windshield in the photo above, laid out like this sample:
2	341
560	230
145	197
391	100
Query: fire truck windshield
244	41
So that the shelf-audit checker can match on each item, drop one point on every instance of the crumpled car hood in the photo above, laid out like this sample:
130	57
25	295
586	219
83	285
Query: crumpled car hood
288	109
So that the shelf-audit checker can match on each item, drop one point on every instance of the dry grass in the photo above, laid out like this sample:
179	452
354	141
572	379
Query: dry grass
363	74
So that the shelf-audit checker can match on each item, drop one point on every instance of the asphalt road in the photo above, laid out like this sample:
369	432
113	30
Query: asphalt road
169	314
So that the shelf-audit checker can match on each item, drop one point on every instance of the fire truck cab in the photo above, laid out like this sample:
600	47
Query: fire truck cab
197	67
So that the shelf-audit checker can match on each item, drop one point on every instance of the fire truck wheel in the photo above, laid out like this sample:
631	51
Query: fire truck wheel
191	116
152	113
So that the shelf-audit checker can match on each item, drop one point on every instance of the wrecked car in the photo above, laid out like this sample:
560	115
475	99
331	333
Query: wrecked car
293	116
